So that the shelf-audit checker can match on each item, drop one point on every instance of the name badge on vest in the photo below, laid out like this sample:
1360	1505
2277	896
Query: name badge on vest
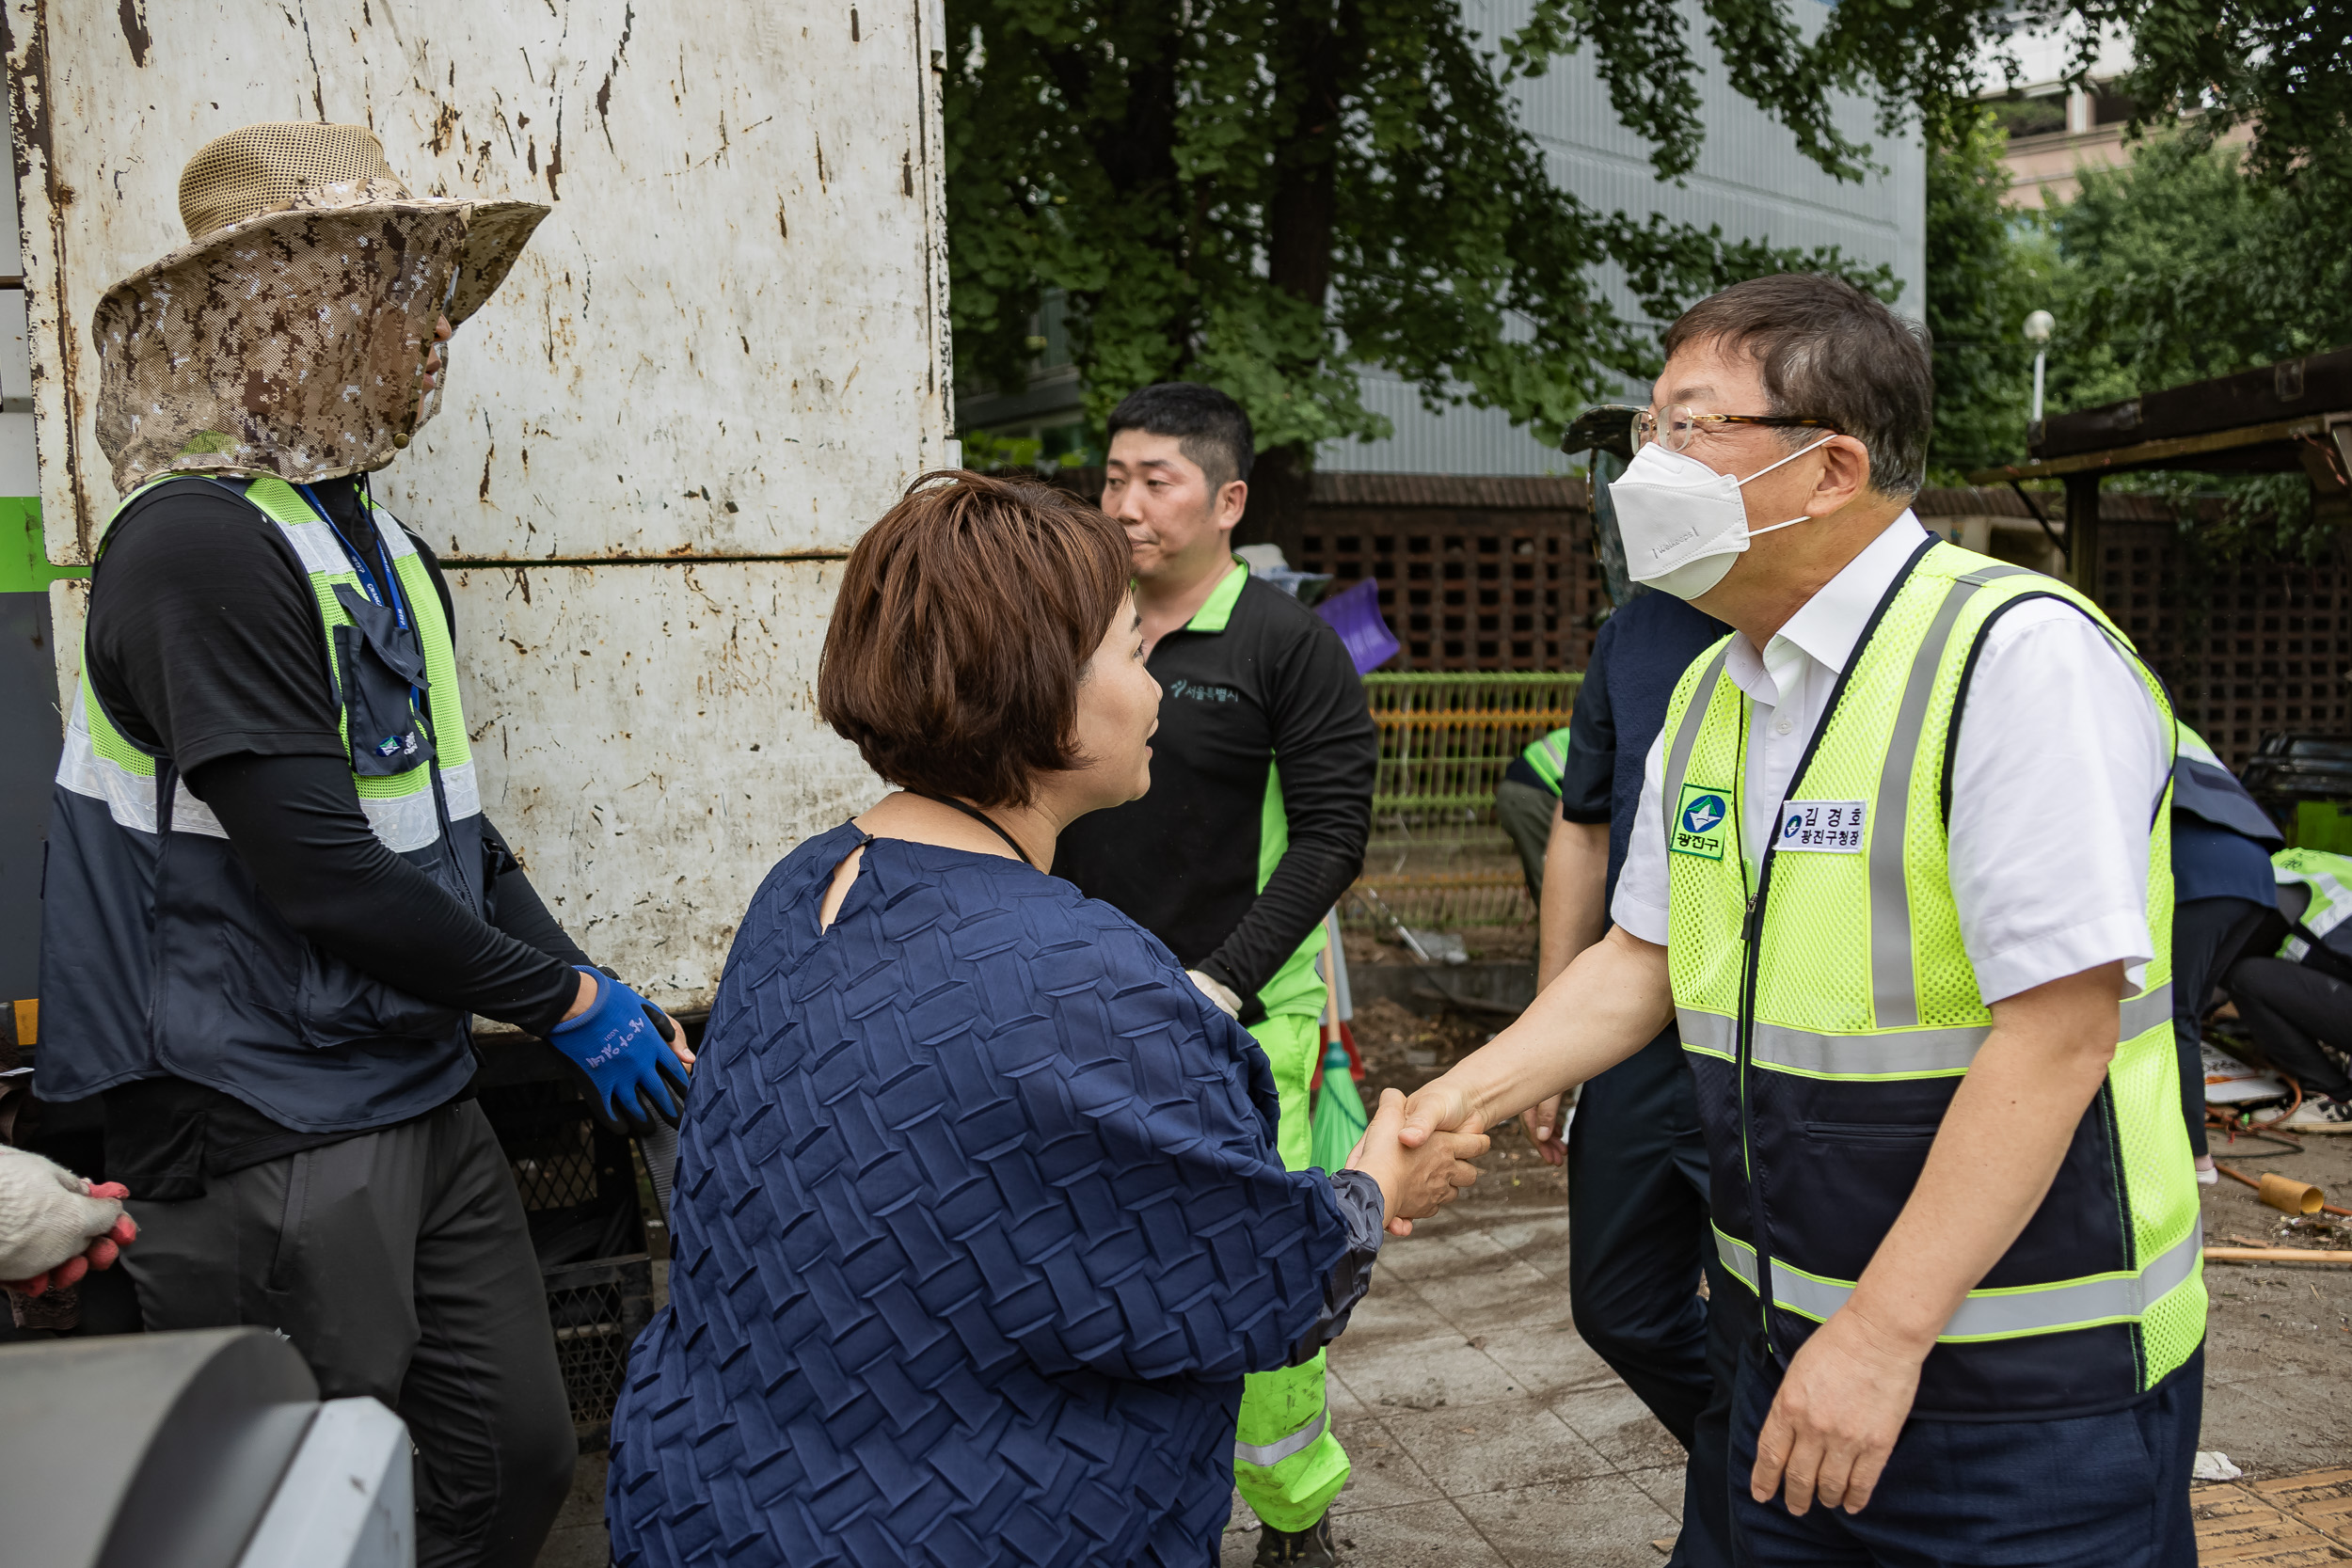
1699	822
1821	827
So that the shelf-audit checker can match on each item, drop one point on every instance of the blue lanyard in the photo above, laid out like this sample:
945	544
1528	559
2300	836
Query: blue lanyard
360	563
366	577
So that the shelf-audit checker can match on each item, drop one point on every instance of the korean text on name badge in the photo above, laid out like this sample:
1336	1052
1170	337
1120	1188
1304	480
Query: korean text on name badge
1821	827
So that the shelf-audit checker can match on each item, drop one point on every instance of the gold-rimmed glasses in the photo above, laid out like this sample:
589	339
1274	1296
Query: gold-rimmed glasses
1681	423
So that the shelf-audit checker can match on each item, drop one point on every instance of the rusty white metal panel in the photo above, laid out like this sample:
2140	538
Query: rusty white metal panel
729	339
724	355
647	739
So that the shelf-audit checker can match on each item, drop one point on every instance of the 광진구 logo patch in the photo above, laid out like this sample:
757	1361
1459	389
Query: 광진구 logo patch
1700	821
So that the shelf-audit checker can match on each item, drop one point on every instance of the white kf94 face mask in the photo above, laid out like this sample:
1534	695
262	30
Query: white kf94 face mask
1684	524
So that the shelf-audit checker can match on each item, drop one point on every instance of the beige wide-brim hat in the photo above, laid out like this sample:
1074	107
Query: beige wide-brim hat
289	335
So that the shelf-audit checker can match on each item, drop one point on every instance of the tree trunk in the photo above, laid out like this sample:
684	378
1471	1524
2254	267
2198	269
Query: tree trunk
1300	226
1279	492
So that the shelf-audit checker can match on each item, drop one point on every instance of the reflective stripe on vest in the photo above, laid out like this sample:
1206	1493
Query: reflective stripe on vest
1548	756
99	761
1900	1053
1997	1314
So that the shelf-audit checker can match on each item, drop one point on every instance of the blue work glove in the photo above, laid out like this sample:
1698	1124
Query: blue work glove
620	1045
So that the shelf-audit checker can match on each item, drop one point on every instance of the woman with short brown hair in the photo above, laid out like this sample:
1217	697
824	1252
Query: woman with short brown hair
978	1217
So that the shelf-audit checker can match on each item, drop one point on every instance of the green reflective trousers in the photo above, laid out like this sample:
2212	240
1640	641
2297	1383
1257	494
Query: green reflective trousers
1287	1462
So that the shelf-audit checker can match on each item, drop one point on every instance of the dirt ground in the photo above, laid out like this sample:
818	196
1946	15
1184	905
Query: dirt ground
2279	1342
1482	944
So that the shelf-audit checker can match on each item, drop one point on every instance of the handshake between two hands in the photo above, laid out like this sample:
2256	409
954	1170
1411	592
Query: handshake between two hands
1418	1166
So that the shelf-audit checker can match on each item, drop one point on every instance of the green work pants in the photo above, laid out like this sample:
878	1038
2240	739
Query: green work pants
1287	1462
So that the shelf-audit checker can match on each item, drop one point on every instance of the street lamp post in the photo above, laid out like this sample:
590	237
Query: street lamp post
2037	329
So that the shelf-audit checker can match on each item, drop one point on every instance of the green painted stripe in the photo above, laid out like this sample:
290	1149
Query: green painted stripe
24	566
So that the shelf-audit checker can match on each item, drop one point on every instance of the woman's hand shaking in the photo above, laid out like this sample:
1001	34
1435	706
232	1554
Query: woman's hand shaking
1414	1182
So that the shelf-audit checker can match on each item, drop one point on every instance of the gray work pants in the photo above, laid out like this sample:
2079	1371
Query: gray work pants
400	1266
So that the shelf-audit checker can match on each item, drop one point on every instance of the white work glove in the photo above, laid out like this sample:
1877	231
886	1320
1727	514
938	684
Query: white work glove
1228	1000
46	1215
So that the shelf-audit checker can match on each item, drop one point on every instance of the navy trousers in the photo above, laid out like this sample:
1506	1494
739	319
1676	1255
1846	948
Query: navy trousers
2085	1492
1638	1239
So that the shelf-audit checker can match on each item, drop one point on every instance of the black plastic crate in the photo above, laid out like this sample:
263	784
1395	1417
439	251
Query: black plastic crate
597	1309
579	1191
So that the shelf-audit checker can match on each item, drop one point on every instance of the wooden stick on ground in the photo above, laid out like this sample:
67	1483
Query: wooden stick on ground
2274	1255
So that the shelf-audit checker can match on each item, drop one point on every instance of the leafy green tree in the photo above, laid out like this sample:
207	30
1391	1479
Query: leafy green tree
2280	67
1266	194
1987	269
2184	264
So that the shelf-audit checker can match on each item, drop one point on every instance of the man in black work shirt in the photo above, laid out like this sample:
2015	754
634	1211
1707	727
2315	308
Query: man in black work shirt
1260	803
271	899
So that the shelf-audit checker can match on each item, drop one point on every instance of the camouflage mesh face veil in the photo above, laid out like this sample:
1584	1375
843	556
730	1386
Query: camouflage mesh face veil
289	335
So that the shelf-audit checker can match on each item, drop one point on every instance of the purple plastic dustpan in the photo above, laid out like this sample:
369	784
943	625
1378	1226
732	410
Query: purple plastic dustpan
1353	612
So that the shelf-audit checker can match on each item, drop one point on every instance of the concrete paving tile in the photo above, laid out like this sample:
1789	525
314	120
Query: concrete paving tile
1541	1242
1428	1533
1382	1472
1620	1426
1420	1374
1500	1446
1392	1311
584	1503
1603	1522
1547	1360
1240	1543
1509	1295
1417	1257
2279	1425
1662	1486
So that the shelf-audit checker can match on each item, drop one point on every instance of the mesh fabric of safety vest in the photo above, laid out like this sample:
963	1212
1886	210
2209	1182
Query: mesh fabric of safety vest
400	806
1825	1064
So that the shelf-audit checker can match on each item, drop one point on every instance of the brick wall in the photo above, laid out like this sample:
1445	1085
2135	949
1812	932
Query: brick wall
1497	574
1475	574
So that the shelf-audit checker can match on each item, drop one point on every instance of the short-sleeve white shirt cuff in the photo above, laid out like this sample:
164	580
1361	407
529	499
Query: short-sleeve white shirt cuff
2058	954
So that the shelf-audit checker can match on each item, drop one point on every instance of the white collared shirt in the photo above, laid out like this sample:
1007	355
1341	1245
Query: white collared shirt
2056	774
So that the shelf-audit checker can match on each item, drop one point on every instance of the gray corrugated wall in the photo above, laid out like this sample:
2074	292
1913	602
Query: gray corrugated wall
1750	180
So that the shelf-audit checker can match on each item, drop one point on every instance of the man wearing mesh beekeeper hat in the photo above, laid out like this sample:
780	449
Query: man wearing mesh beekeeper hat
273	899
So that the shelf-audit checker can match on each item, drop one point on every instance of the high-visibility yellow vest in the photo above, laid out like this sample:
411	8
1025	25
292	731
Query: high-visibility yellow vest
1829	1011
1548	756
2329	880
160	956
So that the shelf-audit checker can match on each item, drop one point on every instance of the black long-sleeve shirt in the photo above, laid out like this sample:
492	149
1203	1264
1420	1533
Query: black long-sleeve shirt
205	644
1261	798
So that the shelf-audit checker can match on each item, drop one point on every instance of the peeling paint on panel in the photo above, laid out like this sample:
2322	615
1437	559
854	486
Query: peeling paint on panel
660	793
463	95
640	610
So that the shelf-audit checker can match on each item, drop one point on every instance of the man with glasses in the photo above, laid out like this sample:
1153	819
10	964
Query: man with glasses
1896	873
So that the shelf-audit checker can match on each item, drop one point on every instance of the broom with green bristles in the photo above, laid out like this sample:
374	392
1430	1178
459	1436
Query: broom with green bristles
1337	1118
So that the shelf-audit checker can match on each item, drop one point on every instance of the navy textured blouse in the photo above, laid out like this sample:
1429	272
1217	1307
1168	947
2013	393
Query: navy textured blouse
978	1222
